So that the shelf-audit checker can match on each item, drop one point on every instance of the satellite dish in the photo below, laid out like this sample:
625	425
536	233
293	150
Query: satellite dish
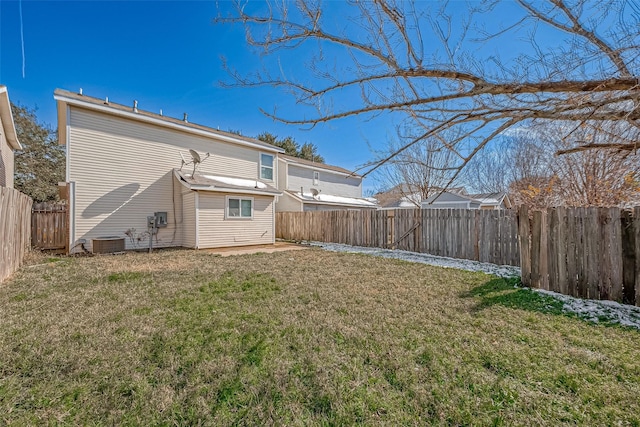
315	192
195	156
196	160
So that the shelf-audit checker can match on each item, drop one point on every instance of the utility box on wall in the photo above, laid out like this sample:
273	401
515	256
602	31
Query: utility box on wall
161	219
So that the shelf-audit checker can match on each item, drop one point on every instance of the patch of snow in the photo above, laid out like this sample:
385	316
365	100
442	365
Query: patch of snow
336	199
596	311
590	310
438	261
238	182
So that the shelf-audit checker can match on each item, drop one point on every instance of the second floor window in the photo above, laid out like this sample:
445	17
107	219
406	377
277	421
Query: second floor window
316	177
266	167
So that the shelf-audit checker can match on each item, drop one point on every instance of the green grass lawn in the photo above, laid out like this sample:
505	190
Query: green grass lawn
299	338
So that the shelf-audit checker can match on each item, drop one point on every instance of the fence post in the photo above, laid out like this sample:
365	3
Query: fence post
524	235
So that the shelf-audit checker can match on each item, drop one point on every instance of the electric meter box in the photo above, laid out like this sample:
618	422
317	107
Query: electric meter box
161	219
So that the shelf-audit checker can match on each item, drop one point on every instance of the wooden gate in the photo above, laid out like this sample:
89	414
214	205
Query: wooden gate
50	226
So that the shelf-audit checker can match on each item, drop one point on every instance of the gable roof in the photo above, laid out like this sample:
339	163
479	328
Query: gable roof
493	199
316	165
65	97
8	125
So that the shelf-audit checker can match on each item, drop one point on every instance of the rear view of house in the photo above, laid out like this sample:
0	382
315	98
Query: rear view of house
127	177
311	186
8	140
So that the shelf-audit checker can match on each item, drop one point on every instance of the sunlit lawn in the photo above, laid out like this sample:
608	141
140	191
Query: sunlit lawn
299	338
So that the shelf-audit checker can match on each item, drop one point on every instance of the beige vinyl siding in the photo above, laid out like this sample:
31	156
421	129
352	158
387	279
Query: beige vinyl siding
189	219
215	231
282	174
287	203
333	183
6	160
123	172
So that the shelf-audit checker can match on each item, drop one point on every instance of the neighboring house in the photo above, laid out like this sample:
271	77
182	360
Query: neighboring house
402	196
310	186
124	164
493	200
448	200
8	140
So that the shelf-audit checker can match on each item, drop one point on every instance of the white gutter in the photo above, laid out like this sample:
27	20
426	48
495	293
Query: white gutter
9	126
140	117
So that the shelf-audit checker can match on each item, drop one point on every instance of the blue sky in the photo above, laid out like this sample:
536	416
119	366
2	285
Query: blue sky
164	54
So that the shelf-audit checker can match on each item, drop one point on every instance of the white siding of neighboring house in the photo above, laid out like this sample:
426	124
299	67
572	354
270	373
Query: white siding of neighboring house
6	160
214	230
123	172
333	183
287	203
189	219
282	174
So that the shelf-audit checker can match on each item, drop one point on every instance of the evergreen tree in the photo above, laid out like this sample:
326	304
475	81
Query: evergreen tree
308	151
40	165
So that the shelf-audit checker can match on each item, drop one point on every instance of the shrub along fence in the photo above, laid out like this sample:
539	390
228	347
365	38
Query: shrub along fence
15	229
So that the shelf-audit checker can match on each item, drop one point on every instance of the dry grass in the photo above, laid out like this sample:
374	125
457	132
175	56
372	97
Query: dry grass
309	337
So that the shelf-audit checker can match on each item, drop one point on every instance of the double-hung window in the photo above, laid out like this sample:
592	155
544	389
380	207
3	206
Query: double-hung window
316	177
239	207
266	166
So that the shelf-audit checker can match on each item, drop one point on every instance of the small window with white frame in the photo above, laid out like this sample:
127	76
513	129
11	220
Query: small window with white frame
266	166
239	207
316	177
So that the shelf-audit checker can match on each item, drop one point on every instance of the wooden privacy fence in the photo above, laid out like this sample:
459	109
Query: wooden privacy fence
49	226
15	215
584	252
487	236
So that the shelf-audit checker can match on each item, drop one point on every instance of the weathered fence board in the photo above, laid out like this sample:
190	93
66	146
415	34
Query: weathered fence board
15	216
584	252
49	226
488	236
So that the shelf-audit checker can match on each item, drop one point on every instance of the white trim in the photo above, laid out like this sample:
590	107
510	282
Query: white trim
72	214
273	167
7	120
135	116
240	199
66	143
273	221
197	221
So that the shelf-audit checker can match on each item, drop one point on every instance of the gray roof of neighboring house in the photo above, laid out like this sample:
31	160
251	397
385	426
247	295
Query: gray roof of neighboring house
102	103
492	198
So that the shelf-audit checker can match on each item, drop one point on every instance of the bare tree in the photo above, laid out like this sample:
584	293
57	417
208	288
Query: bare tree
528	166
441	69
420	171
